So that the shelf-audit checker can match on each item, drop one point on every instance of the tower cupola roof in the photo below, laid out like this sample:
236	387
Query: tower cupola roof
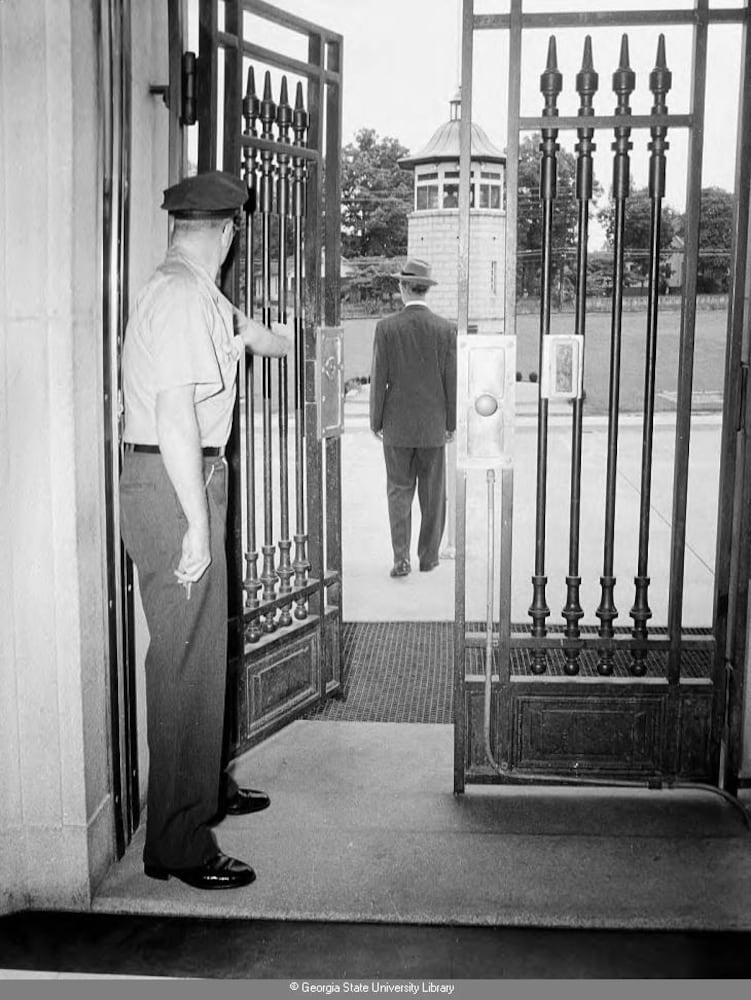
444	143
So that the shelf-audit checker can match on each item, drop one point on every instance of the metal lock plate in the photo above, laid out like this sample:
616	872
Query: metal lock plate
485	399
562	374
330	380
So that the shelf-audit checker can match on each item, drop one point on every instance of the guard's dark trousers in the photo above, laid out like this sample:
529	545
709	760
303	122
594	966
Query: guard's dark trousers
186	663
424	468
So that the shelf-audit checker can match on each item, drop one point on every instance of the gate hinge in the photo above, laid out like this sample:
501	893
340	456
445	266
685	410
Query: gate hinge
188	110
742	394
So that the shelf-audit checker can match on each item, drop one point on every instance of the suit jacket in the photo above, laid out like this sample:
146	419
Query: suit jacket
413	379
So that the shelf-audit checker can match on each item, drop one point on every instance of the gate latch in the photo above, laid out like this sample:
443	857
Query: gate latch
485	400
330	381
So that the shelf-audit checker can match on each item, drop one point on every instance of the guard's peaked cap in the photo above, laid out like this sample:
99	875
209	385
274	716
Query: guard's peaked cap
214	192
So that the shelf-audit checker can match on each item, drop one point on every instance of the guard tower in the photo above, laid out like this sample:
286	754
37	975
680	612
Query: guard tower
434	222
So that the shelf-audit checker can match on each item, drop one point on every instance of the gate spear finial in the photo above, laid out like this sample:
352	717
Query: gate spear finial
251	104
624	79
551	79
587	79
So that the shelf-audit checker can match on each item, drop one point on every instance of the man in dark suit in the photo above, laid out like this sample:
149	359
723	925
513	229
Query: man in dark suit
413	410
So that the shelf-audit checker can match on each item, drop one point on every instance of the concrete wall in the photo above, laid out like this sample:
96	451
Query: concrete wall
434	236
56	809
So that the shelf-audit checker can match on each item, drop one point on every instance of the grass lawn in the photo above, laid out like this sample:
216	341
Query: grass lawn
709	354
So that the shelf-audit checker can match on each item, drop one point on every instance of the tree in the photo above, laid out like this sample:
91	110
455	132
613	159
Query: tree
376	197
715	237
565	215
637	230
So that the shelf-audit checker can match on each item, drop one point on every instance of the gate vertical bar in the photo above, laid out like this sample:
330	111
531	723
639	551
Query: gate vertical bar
465	151
301	564
659	83
587	82
551	83
624	81
509	324
284	569
331	309
512	164
312	312
695	155
685	378
461	727
268	576
231	111
252	584
732	560
206	84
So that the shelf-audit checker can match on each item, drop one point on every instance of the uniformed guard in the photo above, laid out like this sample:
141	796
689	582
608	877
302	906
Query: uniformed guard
179	371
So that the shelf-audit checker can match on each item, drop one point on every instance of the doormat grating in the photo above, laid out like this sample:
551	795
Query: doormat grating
404	671
394	672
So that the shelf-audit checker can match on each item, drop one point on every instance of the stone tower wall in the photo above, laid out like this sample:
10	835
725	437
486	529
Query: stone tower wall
434	237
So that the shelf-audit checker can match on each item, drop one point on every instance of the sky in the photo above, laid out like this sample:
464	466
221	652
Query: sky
401	67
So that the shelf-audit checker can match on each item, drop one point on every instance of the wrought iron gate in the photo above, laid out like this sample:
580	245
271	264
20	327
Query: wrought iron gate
274	118
554	699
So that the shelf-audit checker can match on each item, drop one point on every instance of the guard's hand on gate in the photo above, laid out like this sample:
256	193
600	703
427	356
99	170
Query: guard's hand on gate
284	332
195	558
271	342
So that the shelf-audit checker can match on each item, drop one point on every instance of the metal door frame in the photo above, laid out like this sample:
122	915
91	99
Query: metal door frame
115	74
728	642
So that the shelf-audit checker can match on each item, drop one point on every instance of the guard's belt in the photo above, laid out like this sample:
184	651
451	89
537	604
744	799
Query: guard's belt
153	449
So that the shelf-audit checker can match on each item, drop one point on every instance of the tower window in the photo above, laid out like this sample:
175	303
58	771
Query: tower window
490	196
426	197
450	195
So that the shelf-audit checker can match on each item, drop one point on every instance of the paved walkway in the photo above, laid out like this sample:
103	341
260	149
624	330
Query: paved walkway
371	595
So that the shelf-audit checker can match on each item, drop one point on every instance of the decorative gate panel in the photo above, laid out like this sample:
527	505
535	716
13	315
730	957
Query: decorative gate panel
274	118
556	698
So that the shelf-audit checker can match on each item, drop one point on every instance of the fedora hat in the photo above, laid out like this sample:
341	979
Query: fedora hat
417	272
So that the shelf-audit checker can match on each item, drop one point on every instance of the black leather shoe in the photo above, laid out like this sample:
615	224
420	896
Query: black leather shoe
426	568
246	800
401	568
221	872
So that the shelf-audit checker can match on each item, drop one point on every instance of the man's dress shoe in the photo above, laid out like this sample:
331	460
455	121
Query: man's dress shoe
401	568
221	872
426	567
246	800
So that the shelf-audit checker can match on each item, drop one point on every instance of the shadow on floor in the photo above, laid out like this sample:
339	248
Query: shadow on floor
261	949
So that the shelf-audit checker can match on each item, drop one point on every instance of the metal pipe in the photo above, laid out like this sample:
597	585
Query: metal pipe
659	83
551	82
624	81
586	84
487	701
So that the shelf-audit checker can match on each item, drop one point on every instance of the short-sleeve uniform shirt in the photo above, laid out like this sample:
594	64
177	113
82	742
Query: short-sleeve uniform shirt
181	332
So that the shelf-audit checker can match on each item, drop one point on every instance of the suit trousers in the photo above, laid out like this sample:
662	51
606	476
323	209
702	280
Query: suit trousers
423	468
186	662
